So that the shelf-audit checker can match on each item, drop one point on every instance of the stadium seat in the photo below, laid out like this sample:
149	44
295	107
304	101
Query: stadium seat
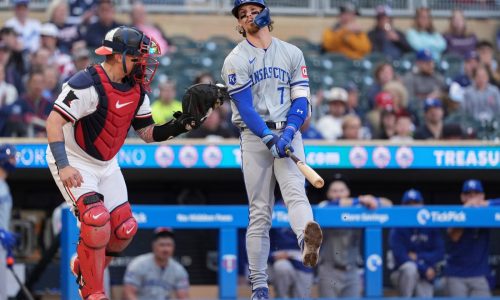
303	44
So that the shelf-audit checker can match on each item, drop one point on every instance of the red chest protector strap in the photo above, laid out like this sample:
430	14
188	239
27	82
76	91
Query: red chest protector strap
102	133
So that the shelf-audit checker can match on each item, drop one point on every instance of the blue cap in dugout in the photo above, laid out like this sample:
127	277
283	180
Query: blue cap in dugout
424	55
8	157
432	102
412	195
472	185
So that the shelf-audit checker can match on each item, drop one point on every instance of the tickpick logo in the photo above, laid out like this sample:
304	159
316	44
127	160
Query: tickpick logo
373	262
423	216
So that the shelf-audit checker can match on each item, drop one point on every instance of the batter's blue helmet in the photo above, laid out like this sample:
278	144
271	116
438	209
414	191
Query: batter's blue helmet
7	152
238	3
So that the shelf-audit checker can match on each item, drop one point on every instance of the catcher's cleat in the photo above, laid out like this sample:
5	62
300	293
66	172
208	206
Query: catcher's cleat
260	294
313	237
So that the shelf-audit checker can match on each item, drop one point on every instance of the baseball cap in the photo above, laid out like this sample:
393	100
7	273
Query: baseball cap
424	55
471	55
348	7
383	10
336	94
472	185
161	232
351	87
412	195
81	53
432	102
21	2
49	29
384	100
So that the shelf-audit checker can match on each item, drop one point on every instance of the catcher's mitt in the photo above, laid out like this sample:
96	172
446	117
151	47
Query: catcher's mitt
201	99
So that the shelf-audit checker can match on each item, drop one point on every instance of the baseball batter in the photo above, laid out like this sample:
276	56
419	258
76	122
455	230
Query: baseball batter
86	129
267	80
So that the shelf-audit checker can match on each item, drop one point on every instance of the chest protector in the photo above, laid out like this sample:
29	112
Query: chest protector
102	133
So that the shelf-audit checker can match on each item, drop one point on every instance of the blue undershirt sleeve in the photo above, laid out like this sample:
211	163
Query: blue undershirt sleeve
297	113
244	102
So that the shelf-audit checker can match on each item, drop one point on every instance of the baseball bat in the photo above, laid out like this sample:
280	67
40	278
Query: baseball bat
308	172
10	266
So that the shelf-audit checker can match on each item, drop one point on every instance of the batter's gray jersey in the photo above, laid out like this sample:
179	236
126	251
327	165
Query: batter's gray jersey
153	282
272	73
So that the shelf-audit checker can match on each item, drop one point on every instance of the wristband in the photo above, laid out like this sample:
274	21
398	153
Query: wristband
59	152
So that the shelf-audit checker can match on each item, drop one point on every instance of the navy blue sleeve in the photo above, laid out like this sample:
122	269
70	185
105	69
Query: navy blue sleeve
494	202
397	243
436	254
244	102
297	113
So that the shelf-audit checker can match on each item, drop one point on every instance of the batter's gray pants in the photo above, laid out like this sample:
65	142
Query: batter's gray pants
408	282
335	283
468	287
261	171
3	273
289	282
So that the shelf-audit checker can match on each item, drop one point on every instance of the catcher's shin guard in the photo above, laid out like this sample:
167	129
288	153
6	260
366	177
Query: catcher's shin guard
123	229
94	236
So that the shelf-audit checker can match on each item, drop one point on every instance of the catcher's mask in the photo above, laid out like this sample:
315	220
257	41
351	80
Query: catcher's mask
131	41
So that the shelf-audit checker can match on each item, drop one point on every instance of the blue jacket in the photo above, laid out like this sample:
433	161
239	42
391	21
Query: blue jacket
427	243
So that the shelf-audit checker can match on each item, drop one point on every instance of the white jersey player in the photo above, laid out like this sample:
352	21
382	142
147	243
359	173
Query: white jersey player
267	80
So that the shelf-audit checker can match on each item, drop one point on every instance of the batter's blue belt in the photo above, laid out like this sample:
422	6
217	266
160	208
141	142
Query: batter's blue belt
271	125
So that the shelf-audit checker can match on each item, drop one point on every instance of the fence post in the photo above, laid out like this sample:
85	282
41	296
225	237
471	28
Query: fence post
228	263
373	262
69	239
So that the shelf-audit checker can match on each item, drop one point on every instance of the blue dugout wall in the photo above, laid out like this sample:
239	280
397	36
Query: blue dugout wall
227	219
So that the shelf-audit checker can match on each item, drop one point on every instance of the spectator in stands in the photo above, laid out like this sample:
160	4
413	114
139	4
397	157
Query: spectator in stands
11	56
94	33
81	60
353	99
452	131
82	11
164	107
383	101
347	37
63	62
467	266
433	121
156	275
487	58
461	81
387	127
27	28
458	40
351	128
212	129
424	35
399	95
385	38
482	99
330	125
338	267
8	92
384	73
52	84
403	132
39	59
425	82
288	275
309	131
139	18
28	113
68	33
204	77
416	252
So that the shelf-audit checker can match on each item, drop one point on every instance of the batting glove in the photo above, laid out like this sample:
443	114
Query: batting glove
270	139
285	141
7	239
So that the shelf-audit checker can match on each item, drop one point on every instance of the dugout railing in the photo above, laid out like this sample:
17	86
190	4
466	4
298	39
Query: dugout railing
227	220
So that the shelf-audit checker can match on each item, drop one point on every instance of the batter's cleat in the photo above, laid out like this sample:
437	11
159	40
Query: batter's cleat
313	237
260	294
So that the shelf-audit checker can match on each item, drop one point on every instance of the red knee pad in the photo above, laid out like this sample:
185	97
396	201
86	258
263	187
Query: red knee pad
95	226
123	228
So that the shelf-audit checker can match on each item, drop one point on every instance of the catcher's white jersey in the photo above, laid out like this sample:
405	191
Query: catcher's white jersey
271	72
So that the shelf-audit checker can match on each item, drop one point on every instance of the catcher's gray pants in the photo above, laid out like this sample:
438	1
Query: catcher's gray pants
336	283
408	282
467	287
3	273
260	171
289	282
